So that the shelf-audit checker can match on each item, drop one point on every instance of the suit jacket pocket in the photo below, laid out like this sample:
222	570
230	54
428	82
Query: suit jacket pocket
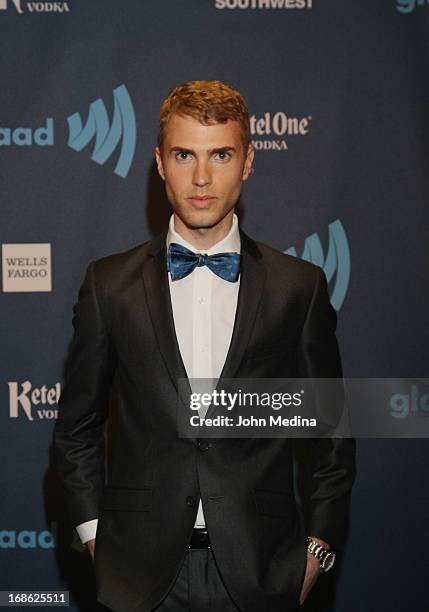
274	503
132	500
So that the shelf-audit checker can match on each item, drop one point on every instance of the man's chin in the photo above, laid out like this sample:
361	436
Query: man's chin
201	219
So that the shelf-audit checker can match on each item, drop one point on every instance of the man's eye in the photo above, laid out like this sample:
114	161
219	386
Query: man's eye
223	155
182	155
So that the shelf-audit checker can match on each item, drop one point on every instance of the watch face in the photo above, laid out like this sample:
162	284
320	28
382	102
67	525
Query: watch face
328	561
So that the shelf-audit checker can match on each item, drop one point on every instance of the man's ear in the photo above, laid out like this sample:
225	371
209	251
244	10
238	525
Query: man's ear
248	162
159	163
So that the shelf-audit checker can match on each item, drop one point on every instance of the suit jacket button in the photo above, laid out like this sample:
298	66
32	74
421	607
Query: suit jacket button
191	501
203	445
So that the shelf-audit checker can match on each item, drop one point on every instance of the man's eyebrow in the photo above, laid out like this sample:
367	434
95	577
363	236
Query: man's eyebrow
225	149
181	149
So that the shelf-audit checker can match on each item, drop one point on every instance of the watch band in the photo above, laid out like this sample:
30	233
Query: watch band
325	556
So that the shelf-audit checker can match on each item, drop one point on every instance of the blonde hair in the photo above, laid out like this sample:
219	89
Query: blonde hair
209	102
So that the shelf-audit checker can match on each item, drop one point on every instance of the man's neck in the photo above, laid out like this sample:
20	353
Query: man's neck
204	237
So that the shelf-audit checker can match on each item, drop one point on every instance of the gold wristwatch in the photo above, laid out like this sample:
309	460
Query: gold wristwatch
325	556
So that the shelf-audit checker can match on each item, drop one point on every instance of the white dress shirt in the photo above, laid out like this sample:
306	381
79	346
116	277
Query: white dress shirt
204	307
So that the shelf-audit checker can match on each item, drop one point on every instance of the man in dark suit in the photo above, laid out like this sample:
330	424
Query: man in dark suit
177	523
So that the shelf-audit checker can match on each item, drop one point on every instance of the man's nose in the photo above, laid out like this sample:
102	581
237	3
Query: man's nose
202	174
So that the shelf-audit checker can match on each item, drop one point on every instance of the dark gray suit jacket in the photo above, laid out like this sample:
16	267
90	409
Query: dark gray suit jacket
147	500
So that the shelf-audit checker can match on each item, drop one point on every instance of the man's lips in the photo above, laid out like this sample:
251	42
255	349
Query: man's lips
204	197
202	201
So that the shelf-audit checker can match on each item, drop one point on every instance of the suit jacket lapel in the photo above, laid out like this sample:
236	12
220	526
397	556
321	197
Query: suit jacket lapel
155	278
252	282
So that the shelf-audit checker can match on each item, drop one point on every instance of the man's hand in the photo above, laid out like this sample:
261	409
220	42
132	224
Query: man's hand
311	574
312	571
90	546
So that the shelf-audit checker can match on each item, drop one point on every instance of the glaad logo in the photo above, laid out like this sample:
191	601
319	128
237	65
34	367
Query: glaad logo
401	404
264	4
38	7
107	137
26	397
276	124
21	136
408	6
10	538
337	260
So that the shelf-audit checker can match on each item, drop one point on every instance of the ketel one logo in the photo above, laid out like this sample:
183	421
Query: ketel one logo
107	136
17	3
37	7
39	402
336	263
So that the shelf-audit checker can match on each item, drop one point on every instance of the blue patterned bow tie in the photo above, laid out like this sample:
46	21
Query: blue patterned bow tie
181	262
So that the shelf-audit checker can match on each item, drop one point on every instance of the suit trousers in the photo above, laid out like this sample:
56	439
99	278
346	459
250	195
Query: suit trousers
198	587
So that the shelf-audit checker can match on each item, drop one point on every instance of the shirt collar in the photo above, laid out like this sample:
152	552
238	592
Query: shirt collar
231	242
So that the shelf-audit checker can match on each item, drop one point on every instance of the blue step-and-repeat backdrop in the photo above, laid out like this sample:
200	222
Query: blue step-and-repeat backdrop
338	93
